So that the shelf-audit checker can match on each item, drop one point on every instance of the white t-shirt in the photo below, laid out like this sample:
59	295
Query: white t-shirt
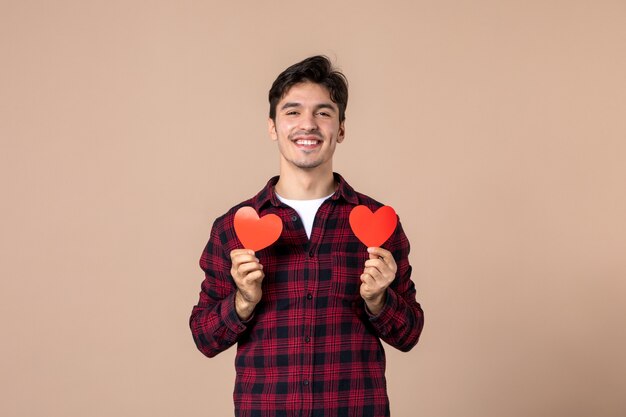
306	209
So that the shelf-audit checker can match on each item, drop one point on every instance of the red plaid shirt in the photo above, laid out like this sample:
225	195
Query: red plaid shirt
311	348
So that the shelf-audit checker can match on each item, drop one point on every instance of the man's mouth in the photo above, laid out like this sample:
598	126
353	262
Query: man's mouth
307	143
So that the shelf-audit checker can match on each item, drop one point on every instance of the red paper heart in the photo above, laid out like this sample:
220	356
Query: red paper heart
257	233
373	229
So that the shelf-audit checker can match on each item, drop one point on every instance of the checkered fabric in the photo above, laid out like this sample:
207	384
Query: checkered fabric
311	349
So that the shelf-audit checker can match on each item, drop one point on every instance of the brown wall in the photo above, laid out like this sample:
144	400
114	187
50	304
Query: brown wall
495	128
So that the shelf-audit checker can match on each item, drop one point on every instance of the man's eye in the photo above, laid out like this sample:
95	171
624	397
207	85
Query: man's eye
324	114
291	113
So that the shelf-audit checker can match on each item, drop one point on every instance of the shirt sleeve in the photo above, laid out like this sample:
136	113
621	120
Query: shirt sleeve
214	322
401	319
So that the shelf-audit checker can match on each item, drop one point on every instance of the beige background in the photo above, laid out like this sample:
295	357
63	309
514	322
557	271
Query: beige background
496	129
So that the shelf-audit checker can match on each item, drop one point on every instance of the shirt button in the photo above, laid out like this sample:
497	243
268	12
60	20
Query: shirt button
309	297
311	254
305	382
307	339
294	218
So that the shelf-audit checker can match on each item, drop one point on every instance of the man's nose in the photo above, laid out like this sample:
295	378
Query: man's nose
308	121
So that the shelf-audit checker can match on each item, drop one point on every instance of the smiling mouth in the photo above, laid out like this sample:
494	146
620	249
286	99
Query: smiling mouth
307	142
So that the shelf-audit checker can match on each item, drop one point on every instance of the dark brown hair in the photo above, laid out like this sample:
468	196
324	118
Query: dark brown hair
316	69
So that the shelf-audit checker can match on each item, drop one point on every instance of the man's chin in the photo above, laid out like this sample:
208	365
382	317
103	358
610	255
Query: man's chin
308	165
304	163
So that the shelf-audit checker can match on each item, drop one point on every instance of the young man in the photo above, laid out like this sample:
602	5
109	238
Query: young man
309	311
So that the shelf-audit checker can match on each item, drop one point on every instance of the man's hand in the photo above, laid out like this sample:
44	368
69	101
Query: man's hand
380	271
248	275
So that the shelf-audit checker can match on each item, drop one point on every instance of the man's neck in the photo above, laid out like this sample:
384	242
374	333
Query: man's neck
299	184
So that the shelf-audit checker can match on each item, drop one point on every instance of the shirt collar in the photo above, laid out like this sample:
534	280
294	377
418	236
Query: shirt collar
268	196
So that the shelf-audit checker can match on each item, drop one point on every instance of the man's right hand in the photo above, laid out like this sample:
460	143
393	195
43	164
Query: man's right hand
248	275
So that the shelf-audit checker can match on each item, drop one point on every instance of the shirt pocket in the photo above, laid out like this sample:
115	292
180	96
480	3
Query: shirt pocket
346	275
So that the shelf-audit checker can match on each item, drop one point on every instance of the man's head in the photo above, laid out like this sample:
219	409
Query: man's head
318	70
307	112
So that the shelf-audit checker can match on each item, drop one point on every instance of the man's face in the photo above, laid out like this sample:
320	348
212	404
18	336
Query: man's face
307	126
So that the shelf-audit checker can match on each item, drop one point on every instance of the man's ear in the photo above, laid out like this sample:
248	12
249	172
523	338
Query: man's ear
271	128
342	132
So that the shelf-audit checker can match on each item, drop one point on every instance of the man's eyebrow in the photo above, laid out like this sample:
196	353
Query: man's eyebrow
292	104
289	105
326	106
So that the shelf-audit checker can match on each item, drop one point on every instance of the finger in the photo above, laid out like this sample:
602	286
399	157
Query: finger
367	280
243	258
249	267
380	252
237	252
368	287
383	254
374	273
380	266
254	276
376	263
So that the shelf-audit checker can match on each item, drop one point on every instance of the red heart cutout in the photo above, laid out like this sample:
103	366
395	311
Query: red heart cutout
257	233
373	229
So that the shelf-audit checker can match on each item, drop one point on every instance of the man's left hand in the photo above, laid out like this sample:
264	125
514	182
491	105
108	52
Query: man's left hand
379	273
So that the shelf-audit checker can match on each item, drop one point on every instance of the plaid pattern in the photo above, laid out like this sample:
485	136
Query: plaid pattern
311	349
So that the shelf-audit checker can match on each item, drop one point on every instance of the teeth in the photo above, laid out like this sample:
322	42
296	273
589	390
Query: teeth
306	142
